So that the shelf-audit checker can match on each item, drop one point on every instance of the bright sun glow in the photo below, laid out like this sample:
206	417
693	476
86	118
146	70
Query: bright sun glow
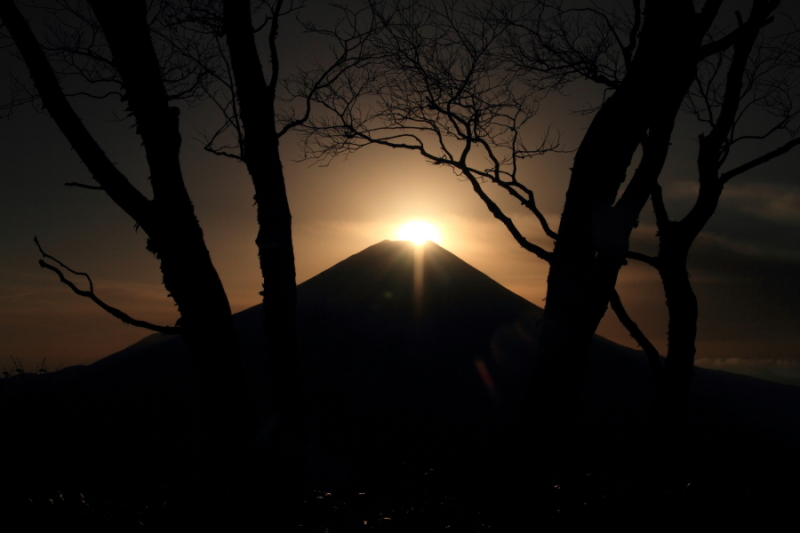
418	232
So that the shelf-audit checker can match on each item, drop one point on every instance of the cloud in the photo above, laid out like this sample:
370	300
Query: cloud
780	370
16	295
683	189
753	218
763	248
778	203
770	201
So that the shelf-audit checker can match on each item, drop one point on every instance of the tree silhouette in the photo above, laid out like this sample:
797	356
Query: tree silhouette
168	219
745	73
759	78
433	85
219	39
449	87
208	50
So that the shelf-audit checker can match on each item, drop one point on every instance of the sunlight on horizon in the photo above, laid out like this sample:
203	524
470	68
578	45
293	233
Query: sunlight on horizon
419	232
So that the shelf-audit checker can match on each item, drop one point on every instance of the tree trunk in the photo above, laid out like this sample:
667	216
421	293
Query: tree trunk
207	329
286	397
671	406
176	237
668	418
169	221
260	152
594	232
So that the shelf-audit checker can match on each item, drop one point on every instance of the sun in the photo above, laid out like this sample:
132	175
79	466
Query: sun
418	232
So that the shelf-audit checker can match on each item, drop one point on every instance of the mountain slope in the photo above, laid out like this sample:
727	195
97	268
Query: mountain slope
402	377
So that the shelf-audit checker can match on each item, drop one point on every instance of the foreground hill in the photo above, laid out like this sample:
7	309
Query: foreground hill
414	361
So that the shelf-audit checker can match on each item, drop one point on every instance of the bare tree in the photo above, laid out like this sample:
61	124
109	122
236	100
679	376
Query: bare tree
433	87
754	76
129	60
208	50
258	107
741	72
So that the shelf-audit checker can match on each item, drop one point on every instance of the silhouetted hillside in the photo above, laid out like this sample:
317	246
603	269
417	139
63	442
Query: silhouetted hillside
412	391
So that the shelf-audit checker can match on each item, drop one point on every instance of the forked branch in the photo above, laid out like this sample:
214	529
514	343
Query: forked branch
168	330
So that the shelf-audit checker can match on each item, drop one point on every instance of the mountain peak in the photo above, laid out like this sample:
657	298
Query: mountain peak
425	276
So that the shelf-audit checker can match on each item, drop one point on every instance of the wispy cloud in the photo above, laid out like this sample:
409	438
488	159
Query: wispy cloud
771	201
778	203
16	295
779	370
764	248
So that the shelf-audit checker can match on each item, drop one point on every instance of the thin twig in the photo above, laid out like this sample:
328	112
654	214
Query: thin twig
83	185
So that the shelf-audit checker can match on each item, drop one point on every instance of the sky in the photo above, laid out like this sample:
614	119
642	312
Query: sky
744	266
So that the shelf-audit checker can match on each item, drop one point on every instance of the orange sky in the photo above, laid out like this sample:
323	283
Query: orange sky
744	266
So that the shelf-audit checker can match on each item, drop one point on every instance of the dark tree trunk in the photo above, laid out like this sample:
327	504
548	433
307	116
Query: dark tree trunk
207	329
671	405
260	152
668	432
668	419
175	236
594	231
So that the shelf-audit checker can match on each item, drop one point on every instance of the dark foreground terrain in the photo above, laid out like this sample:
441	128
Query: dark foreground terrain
412	401
421	503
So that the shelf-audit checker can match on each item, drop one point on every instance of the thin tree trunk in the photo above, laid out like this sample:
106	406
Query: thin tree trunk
676	238
260	152
671	405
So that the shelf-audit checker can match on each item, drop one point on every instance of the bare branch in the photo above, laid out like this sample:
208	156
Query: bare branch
83	186
723	43
221	151
168	330
273	50
432	81
552	45
638	256
659	208
713	147
350	55
633	36
116	185
653	357
507	222
724	178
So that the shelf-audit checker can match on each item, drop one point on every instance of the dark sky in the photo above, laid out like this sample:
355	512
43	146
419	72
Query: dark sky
744	266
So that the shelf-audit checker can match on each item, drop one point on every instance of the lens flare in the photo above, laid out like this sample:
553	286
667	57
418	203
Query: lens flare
418	232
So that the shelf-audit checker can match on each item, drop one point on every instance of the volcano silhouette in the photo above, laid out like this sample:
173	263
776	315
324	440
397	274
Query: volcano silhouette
414	362
400	364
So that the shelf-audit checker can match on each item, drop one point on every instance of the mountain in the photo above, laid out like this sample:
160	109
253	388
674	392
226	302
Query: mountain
389	368
414	362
